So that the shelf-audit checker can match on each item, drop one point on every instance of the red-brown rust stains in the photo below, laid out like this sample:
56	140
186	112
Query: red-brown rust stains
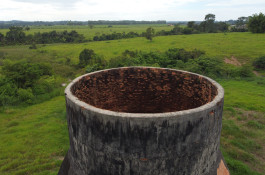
143	159
211	113
222	170
144	90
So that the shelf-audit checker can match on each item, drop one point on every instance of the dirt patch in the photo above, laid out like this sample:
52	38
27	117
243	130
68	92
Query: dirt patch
222	170
232	61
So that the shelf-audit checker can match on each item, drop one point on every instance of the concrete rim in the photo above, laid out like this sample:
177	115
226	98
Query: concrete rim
218	98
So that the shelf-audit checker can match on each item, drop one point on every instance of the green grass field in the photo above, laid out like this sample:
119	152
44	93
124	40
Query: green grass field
244	46
34	139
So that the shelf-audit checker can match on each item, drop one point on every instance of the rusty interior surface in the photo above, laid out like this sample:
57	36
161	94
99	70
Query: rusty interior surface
144	90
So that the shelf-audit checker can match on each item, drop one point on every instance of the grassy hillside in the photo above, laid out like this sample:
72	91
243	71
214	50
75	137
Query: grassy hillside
34	139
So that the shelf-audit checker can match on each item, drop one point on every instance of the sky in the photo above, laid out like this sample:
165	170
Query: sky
170	10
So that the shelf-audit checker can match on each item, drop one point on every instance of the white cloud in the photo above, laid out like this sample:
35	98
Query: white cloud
236	3
51	10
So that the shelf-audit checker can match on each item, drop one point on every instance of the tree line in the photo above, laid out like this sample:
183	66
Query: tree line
255	24
7	24
16	35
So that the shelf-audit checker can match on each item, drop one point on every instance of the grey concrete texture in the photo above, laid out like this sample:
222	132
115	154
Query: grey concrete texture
104	142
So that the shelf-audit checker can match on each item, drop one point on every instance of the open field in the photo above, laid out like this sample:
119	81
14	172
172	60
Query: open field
34	139
244	46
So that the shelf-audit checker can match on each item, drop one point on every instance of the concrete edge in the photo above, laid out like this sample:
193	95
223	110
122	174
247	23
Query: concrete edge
218	98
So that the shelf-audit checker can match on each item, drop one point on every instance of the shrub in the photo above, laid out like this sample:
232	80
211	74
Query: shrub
8	92
246	71
85	56
44	85
259	63
25	95
25	74
33	46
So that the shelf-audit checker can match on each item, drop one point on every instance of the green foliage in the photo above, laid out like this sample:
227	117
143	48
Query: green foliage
86	56
207	66
259	63
194	61
2	39
8	92
256	23
96	63
45	84
33	46
25	74
58	37
115	36
150	33
23	81
25	95
246	71
15	35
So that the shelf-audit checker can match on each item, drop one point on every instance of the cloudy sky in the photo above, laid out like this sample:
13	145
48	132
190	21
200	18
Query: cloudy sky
83	10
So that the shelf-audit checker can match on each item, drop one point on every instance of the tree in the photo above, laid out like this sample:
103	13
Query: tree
15	35
209	25
177	29
222	26
241	25
27	28
241	21
150	33
191	24
256	23
2	39
209	17
86	56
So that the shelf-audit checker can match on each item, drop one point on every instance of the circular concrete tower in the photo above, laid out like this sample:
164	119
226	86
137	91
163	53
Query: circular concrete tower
144	121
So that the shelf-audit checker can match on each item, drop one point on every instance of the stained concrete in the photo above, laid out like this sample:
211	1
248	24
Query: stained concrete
119	143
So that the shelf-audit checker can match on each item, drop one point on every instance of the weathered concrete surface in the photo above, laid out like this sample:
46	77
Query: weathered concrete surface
167	142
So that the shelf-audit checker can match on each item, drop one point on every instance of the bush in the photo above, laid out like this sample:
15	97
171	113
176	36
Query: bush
211	67
25	95
246	71
33	46
85	56
23	81
259	63
25	74
8	92
44	85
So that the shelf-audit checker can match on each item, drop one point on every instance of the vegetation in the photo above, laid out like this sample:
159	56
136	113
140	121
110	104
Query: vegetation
23	82
16	35
256	23
86	56
32	112
259	63
150	33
